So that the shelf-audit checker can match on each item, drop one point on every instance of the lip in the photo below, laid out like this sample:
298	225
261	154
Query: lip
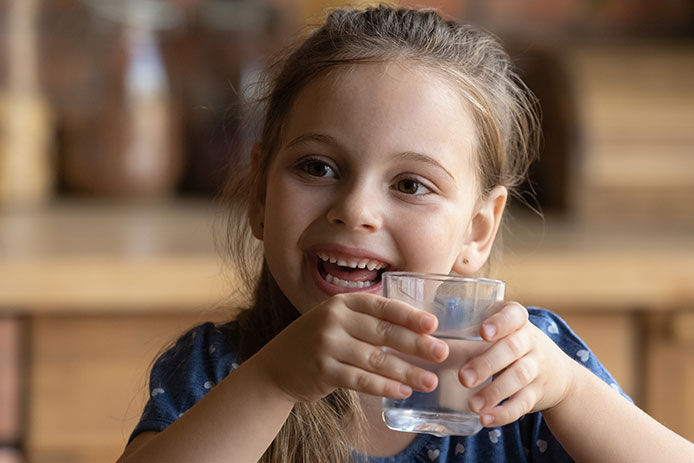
346	253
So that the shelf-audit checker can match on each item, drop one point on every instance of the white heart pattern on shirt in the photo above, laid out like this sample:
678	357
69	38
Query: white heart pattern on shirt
583	355
494	435
156	391
208	385
460	448
433	454
542	445
552	328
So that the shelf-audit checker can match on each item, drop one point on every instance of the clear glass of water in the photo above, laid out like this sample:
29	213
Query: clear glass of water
461	304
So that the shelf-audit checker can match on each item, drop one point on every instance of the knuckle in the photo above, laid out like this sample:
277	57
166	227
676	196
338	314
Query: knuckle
485	365
525	372
524	404
381	307
504	415
326	341
384	329
516	344
377	358
522	374
322	366
362	382
332	314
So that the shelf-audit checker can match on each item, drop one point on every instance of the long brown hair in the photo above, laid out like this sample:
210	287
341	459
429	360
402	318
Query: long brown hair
505	116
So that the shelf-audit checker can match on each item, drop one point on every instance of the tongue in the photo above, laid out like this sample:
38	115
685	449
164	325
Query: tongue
350	274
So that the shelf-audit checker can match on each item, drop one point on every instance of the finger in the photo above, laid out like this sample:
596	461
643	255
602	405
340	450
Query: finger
384	363
514	408
394	311
380	332
502	354
509	319
516	377
351	377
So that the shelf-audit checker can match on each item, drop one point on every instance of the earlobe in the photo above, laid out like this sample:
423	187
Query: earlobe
255	219
482	232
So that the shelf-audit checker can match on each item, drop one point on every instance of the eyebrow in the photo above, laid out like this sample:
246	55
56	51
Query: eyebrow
317	137
405	156
425	158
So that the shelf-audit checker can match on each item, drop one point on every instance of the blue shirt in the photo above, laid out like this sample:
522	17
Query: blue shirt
205	355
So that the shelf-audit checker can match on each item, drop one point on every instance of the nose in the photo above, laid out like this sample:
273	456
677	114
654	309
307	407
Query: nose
357	207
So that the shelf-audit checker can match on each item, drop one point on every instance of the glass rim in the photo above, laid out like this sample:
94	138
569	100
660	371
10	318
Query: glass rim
442	277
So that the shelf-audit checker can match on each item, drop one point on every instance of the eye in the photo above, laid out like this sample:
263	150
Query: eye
411	187
316	168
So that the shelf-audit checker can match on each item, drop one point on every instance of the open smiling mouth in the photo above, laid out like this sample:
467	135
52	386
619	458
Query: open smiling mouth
350	273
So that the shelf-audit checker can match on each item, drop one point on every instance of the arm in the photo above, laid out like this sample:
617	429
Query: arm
590	419
595	423
335	345
237	419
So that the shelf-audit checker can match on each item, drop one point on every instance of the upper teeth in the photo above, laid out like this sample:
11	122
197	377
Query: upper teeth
356	263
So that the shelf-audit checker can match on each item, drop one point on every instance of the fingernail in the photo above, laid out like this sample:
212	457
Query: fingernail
489	330
486	420
405	390
428	323
439	349
429	380
469	378
477	404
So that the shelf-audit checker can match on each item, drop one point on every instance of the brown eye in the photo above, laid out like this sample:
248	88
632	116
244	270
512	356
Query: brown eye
410	187
317	169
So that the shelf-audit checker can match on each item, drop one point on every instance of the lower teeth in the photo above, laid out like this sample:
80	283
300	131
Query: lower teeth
348	284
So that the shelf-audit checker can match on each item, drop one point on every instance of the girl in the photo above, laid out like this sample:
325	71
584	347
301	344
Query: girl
391	141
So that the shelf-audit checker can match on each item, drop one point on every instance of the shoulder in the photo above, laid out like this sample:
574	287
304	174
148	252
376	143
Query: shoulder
572	345
207	337
197	361
207	350
557	330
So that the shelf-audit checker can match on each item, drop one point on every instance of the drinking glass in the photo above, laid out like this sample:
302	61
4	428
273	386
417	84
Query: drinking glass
460	304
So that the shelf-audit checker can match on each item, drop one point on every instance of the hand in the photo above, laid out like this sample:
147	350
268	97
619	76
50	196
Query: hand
533	373
338	343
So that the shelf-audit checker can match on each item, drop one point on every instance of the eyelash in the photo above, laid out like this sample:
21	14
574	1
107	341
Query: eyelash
305	164
414	181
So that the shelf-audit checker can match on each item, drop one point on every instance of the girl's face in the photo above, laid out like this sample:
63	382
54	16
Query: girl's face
375	172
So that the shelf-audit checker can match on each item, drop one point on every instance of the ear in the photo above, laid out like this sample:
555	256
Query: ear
481	232
256	207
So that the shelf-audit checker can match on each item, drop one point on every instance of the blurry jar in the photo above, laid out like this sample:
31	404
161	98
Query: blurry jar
227	43
25	123
126	142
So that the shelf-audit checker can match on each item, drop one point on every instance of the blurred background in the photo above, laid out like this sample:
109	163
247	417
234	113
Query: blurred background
117	121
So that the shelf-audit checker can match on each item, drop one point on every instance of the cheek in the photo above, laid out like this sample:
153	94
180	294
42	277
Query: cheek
434	240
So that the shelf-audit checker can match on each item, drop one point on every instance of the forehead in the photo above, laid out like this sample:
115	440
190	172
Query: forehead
401	106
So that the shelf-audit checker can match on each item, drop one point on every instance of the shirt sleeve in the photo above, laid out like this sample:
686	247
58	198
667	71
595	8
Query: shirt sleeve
572	345
184	373
539	443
